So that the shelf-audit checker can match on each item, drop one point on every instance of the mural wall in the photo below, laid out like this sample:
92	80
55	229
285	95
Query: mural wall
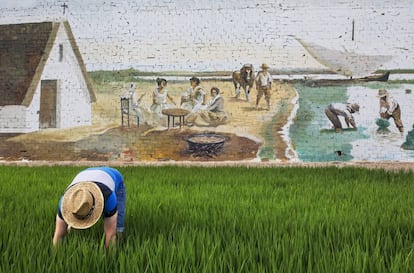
255	81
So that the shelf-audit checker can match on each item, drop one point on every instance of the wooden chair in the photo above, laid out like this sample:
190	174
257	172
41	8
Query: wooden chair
125	111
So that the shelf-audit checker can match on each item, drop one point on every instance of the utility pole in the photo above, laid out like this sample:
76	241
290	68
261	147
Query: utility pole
353	29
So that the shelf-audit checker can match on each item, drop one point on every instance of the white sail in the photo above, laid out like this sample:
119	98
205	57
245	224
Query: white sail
344	62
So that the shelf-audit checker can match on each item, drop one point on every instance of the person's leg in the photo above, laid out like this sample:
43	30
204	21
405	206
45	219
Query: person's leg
397	119
259	96
191	118
121	202
267	98
205	116
334	119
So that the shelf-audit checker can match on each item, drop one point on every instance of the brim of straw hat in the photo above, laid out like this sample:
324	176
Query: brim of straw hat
68	207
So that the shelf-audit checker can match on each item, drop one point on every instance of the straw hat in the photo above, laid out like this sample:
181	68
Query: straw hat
382	93
82	205
354	106
264	66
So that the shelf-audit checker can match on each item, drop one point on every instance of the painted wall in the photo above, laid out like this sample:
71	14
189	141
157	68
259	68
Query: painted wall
74	105
221	35
73	102
189	36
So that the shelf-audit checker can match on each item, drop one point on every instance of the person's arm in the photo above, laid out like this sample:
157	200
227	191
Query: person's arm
153	98
171	99
270	81
204	99
110	229
60	231
350	121
216	106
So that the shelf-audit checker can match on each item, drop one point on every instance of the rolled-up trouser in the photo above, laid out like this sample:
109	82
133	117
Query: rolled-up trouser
264	90
333	117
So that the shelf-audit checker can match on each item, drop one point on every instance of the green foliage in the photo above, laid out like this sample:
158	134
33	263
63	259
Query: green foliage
409	141
382	123
234	219
133	75
126	75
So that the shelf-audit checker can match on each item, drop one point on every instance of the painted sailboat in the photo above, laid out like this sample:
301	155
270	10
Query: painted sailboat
354	66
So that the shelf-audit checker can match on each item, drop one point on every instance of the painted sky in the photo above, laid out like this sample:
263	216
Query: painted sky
213	35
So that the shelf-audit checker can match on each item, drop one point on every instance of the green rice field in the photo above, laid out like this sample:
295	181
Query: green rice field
218	219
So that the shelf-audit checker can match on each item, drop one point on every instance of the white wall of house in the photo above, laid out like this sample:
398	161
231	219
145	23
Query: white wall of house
13	119
73	102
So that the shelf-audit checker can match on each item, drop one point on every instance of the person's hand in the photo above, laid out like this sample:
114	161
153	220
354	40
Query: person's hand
352	121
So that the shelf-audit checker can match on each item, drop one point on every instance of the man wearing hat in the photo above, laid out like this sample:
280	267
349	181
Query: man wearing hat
263	85
335	110
389	107
94	192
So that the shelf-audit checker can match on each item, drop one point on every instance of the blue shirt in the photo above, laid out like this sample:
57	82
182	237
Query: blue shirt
108	179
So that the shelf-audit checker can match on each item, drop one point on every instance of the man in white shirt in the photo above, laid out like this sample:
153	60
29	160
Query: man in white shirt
263	85
389	108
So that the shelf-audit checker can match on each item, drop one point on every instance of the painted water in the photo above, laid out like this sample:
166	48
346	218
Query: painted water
308	132
280	77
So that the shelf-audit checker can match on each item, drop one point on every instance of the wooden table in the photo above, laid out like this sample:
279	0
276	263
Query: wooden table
175	112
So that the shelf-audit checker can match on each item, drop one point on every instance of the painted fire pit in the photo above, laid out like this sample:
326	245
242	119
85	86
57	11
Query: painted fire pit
207	144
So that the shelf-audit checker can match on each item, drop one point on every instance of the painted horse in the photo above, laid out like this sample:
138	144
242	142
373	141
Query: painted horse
243	78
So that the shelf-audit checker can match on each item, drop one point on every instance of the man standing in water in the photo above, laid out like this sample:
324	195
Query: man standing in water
389	108
335	110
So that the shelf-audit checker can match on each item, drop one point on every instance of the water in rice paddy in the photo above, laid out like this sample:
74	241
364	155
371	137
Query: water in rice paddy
308	132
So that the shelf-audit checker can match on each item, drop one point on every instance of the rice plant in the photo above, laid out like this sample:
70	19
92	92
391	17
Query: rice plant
219	219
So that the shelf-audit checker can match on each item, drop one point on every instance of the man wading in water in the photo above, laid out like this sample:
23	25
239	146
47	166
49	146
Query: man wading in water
335	110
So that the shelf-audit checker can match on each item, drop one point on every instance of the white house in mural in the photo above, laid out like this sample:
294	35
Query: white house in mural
43	79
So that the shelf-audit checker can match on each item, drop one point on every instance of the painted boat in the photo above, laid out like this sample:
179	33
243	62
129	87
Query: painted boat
327	82
356	67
